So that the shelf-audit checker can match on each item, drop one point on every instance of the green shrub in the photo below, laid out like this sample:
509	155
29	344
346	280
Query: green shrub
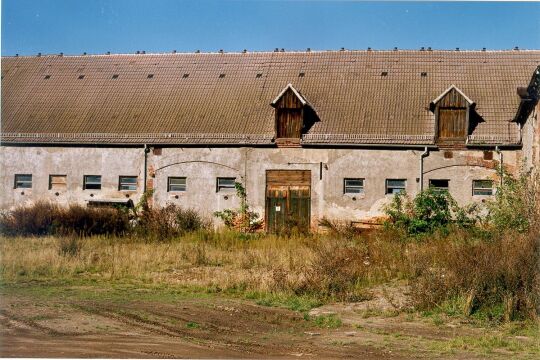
242	219
429	211
516	203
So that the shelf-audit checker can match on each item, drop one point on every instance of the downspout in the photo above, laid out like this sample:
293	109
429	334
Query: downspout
145	174
498	151
422	156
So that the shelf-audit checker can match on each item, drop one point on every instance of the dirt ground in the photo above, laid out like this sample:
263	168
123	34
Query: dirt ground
211	327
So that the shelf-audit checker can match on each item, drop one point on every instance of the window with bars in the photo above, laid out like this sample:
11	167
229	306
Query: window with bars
353	186
57	182
92	182
127	183
394	186
23	181
225	184
176	184
482	187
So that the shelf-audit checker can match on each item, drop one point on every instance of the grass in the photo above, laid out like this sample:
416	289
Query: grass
192	325
330	321
267	270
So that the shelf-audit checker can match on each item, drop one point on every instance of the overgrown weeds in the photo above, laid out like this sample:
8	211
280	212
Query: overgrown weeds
452	262
44	218
168	222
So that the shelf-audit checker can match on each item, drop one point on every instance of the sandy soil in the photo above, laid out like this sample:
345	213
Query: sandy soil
194	329
221	327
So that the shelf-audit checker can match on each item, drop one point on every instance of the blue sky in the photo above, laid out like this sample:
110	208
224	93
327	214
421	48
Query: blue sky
124	26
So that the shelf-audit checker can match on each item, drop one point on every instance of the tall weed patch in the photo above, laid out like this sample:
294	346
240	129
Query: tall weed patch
493	268
43	218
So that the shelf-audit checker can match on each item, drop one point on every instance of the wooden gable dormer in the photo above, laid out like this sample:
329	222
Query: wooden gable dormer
291	110
452	111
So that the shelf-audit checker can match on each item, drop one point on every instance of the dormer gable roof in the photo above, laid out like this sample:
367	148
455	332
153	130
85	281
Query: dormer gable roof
289	86
441	96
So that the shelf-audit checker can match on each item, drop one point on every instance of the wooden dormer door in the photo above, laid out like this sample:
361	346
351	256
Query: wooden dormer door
452	124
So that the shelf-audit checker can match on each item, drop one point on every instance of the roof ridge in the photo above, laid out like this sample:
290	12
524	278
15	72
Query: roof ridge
311	51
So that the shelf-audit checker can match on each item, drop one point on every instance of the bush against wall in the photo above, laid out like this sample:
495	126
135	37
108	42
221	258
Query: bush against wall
429	211
44	218
517	202
163	223
242	219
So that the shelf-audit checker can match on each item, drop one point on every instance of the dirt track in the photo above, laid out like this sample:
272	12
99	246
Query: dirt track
194	329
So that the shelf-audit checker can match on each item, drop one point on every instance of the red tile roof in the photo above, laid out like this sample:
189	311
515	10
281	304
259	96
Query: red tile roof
223	101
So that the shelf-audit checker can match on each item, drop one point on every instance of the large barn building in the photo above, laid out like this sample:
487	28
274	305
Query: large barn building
310	134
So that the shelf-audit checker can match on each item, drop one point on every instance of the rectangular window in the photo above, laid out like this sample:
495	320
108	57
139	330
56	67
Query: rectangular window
176	184
225	184
92	182
394	186
23	181
439	185
482	187
57	182
127	183
353	186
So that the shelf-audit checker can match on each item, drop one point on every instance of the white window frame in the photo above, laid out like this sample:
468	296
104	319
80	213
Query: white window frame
21	184
129	186
92	183
225	187
349	189
387	187
169	185
477	188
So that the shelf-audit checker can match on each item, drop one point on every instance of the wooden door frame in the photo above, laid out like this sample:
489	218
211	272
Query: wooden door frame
288	185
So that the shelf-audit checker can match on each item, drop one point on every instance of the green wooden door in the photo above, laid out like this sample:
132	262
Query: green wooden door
288	200
288	207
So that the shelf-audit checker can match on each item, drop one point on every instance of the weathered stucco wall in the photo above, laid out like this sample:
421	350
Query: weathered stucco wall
75	162
202	166
249	165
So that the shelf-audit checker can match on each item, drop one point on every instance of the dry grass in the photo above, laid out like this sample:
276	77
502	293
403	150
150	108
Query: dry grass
316	265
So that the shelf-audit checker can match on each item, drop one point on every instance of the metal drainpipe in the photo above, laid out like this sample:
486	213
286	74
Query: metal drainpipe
498	151
146	151
422	156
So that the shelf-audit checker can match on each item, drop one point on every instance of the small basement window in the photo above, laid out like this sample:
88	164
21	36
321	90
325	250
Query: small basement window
92	182
57	182
23	181
353	186
439	185
225	184
482	187
127	183
394	186
176	184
